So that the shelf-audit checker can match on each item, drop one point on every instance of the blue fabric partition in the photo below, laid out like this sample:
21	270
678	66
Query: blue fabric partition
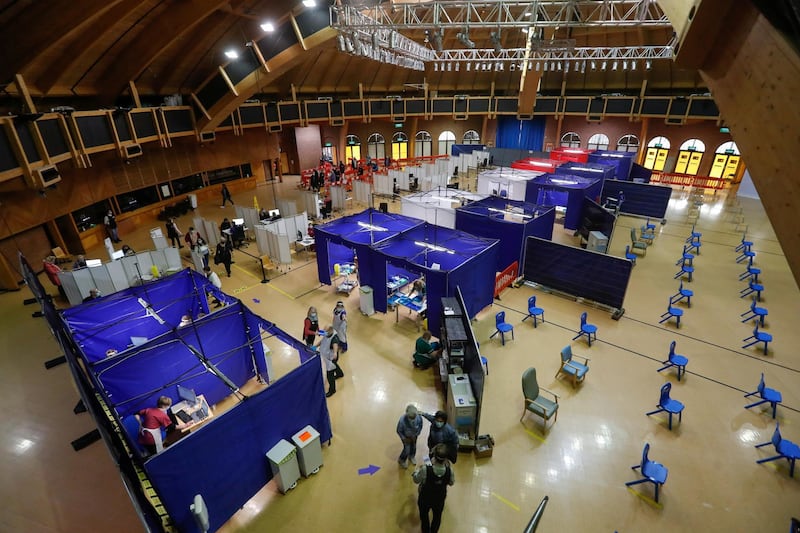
594	276
640	174
550	189
622	161
508	220
458	149
462	259
520	134
225	461
356	232
588	170
642	199
110	322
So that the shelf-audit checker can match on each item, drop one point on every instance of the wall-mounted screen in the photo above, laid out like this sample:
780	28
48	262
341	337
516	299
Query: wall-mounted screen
7	158
121	125
95	131
144	125
213	91
252	114
53	137
26	139
179	120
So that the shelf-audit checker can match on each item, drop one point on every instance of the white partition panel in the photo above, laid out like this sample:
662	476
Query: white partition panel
197	260
116	271
173	257
287	207
159	241
311	204
211	232
84	281
130	265
284	249
101	278
70	286
362	193
145	262
383	183
262	239
338	197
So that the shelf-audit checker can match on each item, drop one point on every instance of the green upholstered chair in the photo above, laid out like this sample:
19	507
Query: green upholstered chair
534	401
637	244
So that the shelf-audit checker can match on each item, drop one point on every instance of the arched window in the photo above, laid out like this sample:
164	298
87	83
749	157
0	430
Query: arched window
689	157
376	146
446	141
726	161
399	146
657	150
628	143
571	140
598	141
423	144
471	137
353	148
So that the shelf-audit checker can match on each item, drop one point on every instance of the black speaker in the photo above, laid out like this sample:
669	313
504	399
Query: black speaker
384	207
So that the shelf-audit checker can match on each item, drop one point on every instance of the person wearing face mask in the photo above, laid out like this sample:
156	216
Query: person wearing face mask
154	418
340	325
433	480
328	350
442	433
310	326
408	428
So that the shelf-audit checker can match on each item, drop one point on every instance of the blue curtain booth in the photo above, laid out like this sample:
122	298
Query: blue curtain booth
590	275
510	221
448	258
595	218
148	310
458	149
621	160
640	174
566	191
520	134
337	241
642	199
588	170
225	460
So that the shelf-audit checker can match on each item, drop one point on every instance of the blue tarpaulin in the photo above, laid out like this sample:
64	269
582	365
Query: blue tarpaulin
565	191
510	221
621	160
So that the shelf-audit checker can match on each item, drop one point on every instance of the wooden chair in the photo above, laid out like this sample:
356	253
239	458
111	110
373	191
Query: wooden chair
61	257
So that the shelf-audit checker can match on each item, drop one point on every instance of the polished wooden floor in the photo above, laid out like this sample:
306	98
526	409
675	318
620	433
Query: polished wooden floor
582	461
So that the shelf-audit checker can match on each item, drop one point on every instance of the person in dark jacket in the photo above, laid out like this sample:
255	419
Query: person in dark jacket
433	480
408	429
226	195
223	255
442	433
173	233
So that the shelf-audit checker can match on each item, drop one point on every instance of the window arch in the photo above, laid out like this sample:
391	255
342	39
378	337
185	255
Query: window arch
376	146
726	161
352	149
657	150
598	141
446	141
689	156
471	137
423	144
571	140
628	143
399	146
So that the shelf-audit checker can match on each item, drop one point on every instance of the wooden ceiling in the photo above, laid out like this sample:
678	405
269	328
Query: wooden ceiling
91	49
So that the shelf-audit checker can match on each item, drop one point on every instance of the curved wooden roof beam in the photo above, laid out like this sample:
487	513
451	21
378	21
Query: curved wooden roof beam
80	51
259	78
159	34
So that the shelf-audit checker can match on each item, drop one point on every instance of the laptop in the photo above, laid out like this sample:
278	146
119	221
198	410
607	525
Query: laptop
237	222
184	416
94	262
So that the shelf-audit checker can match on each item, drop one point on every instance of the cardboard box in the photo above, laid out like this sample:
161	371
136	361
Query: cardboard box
484	446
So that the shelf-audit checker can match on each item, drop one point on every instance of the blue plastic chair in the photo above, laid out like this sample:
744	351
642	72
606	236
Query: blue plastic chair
590	330
648	229
767	395
575	370
534	311
503	327
694	246
744	245
653	472
681	294
755	312
687	270
686	258
676	312
676	360
649	226
752	287
751	272
694	235
746	255
758	336
668	405
785	449
630	256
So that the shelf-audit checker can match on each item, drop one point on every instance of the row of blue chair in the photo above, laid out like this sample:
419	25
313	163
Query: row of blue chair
754	288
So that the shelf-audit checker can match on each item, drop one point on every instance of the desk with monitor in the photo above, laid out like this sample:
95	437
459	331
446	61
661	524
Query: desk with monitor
192	409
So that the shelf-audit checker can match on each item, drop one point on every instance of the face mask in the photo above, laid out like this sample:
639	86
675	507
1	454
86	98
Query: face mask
313	316
439	424
411	418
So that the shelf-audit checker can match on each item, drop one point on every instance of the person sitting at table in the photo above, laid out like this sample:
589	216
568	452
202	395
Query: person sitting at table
417	290
155	418
426	352
263	214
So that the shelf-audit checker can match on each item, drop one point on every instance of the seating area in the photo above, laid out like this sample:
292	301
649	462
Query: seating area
652	472
668	405
766	395
586	329
784	448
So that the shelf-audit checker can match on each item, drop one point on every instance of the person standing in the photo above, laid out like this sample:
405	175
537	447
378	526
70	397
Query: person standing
408	429
328	351
226	196
442	433
340	325
433	480
223	255
52	270
215	281
310	327
110	222
173	233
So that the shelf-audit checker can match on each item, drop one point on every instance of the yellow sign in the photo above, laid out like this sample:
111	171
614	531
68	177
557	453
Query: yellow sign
694	163
731	167
718	166
650	158
661	159
683	160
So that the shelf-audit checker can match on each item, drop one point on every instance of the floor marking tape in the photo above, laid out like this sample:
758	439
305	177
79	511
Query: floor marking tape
645	498
516	508
532	434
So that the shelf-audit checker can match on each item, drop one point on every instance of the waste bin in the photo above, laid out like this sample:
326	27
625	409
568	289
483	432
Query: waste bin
366	300
309	450
283	460
193	200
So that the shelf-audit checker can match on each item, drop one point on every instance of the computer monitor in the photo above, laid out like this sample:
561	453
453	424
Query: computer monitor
274	213
119	254
94	262
238	221
187	394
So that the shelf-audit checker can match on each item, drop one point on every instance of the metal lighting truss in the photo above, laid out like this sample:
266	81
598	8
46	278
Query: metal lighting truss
451	14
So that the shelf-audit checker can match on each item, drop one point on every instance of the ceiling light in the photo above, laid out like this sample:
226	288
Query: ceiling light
553	66
341	43
463	37
528	14
436	67
603	66
648	65
537	66
545	66
633	65
437	39
566	68
457	66
309	3
468	66
268	27
583	67
594	65
624	65
614	65
231	54
524	30
449	67
559	66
